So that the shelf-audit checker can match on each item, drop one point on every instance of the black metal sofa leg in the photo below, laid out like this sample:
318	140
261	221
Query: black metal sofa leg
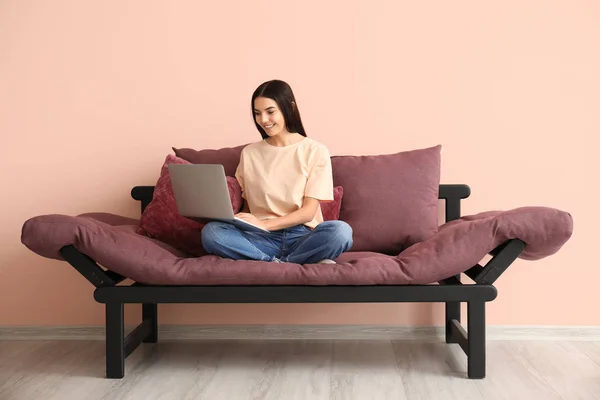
119	346
150	313
452	313
115	340
476	339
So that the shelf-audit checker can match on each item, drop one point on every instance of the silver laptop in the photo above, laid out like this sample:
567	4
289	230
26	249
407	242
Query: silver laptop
201	194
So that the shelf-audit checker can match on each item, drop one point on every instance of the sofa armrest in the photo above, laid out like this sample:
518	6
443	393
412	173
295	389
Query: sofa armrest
143	194
452	194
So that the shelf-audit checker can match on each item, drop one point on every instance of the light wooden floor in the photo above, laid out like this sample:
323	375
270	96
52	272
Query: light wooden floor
303	369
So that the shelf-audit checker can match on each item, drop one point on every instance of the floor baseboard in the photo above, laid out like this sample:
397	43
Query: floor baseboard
306	332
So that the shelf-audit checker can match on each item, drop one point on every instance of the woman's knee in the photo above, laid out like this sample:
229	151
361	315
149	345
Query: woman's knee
341	232
212	234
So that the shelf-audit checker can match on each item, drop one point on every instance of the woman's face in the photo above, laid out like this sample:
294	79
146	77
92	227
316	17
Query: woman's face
268	115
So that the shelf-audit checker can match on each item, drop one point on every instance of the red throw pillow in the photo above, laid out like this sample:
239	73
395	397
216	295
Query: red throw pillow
161	220
331	209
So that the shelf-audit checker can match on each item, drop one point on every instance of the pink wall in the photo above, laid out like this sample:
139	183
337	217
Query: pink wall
94	94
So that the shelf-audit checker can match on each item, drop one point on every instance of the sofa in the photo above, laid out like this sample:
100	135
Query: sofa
401	250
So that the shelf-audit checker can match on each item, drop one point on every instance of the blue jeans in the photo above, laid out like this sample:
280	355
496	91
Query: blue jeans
297	244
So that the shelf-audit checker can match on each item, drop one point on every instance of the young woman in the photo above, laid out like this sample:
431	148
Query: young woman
283	177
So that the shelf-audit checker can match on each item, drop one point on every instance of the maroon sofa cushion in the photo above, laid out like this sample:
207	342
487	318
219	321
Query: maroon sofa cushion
390	201
112	242
161	220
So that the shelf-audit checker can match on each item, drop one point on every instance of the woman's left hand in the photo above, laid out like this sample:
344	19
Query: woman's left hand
252	219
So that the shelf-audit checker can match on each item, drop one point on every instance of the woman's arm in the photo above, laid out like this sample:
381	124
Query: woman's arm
302	215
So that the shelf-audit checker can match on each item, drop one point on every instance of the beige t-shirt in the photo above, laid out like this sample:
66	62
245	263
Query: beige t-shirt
274	180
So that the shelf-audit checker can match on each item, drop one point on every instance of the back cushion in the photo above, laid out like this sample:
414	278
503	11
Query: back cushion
390	201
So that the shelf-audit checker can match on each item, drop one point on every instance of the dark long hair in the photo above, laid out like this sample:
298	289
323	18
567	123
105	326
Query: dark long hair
282	94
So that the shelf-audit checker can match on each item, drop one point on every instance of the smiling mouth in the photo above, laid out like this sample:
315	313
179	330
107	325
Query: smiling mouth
269	126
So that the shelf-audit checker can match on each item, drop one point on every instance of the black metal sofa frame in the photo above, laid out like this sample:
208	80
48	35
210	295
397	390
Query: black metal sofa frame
450	291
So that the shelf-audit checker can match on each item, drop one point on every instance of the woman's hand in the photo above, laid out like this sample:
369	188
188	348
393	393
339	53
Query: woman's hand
252	219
